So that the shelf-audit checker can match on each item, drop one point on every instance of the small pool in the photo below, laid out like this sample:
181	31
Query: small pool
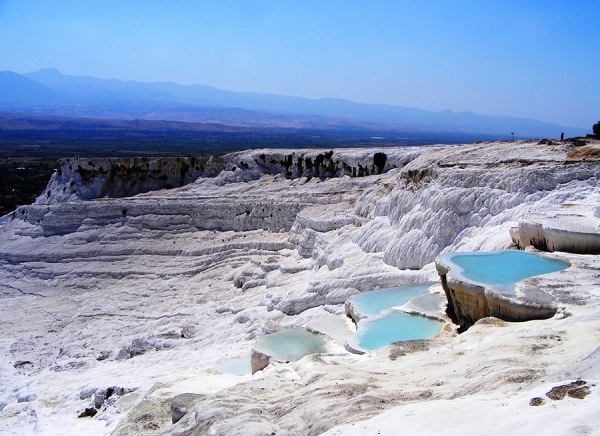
236	366
291	344
502	268
374	302
381	325
392	326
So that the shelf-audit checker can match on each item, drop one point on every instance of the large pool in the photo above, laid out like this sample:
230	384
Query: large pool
374	302
502	268
392	326
291	344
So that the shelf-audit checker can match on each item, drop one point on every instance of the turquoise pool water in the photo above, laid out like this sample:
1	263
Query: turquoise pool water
392	326
382	326
291	344
237	366
374	302
503	268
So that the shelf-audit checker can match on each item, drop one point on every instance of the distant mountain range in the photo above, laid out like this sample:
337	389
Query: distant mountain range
50	93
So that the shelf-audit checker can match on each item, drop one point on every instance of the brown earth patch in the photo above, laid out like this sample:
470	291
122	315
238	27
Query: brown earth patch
576	389
588	152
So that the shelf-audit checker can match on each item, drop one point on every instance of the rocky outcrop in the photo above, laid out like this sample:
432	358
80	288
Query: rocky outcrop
352	312
259	360
182	404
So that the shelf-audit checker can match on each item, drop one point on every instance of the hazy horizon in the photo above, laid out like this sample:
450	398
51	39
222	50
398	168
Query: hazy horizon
535	60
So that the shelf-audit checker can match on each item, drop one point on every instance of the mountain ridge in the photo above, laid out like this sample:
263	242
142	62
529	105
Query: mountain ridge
76	96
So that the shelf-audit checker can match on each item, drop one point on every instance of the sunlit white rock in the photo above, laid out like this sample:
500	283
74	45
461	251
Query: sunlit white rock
191	276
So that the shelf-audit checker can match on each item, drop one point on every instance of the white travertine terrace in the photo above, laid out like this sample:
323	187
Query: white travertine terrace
121	298
574	228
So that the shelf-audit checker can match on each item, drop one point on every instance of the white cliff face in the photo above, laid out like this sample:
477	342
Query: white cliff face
84	179
119	303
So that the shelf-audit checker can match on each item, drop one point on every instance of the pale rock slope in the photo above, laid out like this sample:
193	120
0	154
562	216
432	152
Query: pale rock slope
119	296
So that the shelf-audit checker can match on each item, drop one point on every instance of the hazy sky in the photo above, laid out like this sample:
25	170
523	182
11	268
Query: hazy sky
526	58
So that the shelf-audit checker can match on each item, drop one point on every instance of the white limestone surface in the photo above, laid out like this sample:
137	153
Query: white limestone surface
572	227
123	311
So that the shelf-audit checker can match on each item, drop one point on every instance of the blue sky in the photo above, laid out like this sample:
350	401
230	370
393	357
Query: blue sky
534	59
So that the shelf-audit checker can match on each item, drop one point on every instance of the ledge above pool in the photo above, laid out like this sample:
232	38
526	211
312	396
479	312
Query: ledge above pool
483	284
